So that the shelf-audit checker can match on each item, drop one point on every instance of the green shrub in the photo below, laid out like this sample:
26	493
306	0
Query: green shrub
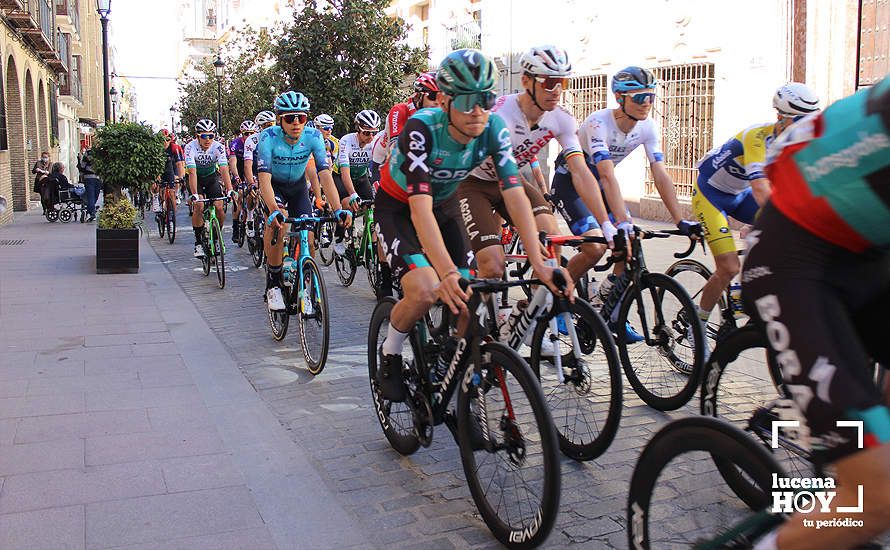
128	156
117	214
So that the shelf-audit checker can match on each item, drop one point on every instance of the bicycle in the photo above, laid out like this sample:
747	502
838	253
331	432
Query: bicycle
140	201
166	218
243	190
212	242
309	300
501	422
324	242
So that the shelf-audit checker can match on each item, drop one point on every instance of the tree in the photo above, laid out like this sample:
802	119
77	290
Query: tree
346	57
248	86
128	155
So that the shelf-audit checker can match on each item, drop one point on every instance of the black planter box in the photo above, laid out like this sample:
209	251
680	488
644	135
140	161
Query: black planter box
117	250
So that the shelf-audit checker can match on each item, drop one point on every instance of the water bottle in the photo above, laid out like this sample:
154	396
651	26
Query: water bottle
735	299
286	273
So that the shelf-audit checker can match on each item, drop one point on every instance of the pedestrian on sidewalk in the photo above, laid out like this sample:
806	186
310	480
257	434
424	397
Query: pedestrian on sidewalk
41	169
91	182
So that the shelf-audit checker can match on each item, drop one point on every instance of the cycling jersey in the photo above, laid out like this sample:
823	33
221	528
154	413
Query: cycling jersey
426	160
236	149
734	165
285	162
250	145
396	119
378	147
332	145
172	155
206	163
557	124
831	172
354	156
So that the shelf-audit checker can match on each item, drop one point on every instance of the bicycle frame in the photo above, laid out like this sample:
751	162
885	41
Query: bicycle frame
209	215
298	229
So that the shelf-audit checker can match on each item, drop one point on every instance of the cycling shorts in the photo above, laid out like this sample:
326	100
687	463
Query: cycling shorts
578	217
210	187
824	309
293	197
479	198
711	208
362	186
401	246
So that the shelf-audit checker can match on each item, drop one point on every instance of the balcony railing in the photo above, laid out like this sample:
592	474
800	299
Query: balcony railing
64	48
37	23
69	84
70	9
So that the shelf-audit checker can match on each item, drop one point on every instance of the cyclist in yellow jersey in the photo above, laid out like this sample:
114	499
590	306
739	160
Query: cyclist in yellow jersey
732	182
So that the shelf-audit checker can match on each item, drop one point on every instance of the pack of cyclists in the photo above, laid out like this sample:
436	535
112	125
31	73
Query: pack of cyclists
449	166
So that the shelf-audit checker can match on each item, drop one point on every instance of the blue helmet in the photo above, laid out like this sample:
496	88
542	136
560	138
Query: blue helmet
630	79
291	102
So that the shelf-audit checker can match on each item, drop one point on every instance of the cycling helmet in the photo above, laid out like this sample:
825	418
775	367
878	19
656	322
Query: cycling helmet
291	102
324	120
164	132
249	126
368	119
465	72
630	79
264	117
205	126
546	60
426	83
795	99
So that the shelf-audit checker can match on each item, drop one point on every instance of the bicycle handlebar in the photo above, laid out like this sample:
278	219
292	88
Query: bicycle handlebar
303	222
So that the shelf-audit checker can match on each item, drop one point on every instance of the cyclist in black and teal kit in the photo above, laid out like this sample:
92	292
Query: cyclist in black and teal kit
282	155
418	221
817	281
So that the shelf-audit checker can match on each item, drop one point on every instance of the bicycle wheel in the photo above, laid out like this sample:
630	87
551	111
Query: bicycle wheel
665	370
325	242
372	266
673	472
438	322
219	253
258	253
315	329
508	448
279	320
242	221
345	264
171	221
160	219
692	276
396	419
586	407
205	244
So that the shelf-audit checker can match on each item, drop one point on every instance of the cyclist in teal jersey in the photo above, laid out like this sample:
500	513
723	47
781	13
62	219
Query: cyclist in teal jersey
817	282
418	221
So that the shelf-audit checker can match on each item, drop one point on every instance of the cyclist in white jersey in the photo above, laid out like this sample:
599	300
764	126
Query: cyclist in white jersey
353	181
264	120
205	162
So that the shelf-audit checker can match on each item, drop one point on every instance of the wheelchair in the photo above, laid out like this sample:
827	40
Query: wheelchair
70	206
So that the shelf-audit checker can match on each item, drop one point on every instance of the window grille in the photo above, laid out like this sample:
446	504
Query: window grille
585	95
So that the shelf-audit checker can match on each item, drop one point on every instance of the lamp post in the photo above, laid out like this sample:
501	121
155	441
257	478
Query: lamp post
113	95
103	7
172	115
219	70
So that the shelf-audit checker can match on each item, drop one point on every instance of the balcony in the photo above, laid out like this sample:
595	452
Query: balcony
70	86
37	23
12	5
58	59
68	16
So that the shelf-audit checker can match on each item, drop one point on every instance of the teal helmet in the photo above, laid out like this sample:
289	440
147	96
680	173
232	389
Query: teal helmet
465	72
291	102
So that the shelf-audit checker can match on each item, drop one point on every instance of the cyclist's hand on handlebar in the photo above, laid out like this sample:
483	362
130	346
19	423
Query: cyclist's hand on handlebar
194	197
354	202
557	280
609	232
232	194
627	226
345	217
276	220
451	294
690	228
319	203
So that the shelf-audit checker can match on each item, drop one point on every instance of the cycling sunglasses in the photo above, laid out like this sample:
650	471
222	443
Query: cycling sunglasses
299	117
206	136
368	132
549	83
640	98
432	95
326	128
465	103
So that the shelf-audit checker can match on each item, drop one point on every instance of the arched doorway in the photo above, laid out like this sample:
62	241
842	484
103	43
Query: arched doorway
32	140
15	126
43	129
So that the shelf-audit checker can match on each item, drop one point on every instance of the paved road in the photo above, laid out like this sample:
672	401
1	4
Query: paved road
399	501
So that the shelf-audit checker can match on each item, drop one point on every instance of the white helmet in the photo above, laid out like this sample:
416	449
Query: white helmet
205	125
795	99
324	120
368	119
264	117
249	126
546	60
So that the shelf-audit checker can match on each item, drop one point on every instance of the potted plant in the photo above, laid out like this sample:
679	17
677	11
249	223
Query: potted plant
125	156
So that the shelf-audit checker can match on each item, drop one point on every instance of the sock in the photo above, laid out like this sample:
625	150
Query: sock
199	234
394	341
273	276
768	542
703	314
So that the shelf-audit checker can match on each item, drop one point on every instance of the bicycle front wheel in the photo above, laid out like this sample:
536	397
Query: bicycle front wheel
509	448
171	221
160	219
586	406
325	241
664	369
279	320
315	329
219	253
345	264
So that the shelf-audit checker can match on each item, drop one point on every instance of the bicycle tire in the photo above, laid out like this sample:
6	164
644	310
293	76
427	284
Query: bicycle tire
585	394
314	288
219	253
325	244
696	433
403	441
205	260
699	270
171	220
345	265
534	529
160	219
438	322
242	222
372	266
657	285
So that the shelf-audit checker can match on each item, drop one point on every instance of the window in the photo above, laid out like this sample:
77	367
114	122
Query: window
585	95
684	110
54	111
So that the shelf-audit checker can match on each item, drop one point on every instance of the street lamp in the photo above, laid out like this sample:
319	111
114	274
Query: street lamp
113	94
103	7
172	114
219	70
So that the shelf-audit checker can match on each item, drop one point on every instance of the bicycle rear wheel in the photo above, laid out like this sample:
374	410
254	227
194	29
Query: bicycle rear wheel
279	320
375	274
674	471
692	276
325	242
205	244
345	264
586	407
508	448
219	253
315	325
160	219
171	220
666	370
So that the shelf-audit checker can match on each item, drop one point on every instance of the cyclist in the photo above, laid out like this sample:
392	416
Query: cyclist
205	160
263	120
282	156
180	152
817	281
416	207
236	169
425	91
174	170
325	124
354	156
732	182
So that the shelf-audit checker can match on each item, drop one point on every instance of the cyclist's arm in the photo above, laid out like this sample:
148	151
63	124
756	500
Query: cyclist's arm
227	179
320	158
666	190
761	189
233	167
588	189
248	171
312	176
266	191
180	169
193	180
541	182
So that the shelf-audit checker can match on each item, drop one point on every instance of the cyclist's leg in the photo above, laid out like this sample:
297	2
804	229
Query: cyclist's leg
581	222
710	208
477	199
804	293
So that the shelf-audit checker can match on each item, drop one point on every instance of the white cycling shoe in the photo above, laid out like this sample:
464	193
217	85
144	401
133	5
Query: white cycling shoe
199	251
274	299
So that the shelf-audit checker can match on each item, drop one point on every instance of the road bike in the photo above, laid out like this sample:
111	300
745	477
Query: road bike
360	253
166	217
212	241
